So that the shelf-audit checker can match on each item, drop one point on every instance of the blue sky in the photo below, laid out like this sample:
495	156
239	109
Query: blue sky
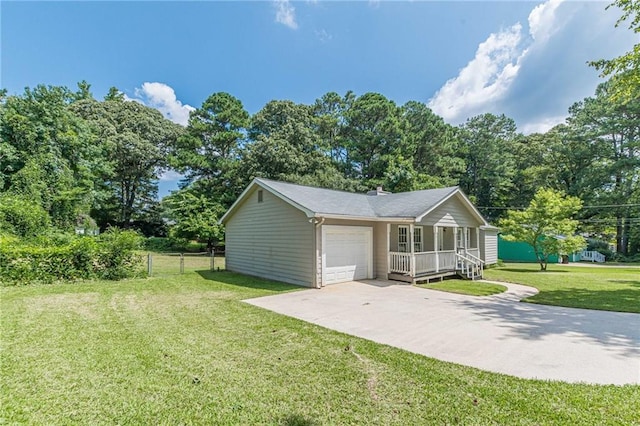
524	59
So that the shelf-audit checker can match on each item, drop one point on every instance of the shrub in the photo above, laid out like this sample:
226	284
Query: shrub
112	256
21	217
117	254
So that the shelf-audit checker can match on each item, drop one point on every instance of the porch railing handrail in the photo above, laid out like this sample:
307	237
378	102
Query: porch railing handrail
475	258
592	255
470	265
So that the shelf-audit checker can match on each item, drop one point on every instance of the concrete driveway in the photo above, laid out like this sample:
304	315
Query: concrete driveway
494	333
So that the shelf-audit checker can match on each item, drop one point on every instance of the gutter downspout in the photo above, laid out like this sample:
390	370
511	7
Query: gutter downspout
317	224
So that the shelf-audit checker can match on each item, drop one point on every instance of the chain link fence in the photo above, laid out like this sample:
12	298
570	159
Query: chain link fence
180	263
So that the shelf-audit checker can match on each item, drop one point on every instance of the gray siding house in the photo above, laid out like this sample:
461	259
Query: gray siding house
315	237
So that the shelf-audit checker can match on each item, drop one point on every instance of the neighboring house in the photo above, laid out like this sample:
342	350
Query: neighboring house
314	237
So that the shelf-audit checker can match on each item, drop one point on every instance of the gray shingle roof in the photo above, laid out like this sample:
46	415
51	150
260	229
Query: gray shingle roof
340	203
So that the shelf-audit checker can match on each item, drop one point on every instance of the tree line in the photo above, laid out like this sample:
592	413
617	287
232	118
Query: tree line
88	161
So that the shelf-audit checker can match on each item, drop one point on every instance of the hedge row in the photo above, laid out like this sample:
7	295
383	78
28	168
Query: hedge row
111	256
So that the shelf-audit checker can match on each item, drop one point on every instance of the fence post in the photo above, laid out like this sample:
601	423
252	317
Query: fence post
182	263
212	266
149	264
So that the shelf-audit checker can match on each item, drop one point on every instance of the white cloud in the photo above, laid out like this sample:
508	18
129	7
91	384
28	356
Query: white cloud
487	78
163	98
542	125
171	176
542	20
286	14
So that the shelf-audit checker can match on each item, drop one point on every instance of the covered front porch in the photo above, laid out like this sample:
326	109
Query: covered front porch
422	253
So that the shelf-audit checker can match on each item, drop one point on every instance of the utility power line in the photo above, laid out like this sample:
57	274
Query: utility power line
583	207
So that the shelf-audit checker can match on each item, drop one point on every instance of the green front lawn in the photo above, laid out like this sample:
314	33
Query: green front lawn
603	288
470	288
184	349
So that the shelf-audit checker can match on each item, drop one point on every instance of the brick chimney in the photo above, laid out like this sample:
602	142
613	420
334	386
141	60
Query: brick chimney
378	191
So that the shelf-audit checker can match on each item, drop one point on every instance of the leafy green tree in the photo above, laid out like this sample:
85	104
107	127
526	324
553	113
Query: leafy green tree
285	147
329	124
373	134
625	69
137	141
214	134
611	128
195	216
47	153
547	225
433	146
488	142
22	217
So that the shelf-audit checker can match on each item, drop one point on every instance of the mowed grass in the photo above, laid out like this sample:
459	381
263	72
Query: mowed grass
470	288
602	288
184	349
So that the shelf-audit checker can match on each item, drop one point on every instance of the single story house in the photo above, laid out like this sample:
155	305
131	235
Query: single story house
314	237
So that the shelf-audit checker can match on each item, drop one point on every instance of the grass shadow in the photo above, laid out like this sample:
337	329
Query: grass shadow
607	329
615	300
246	281
634	283
298	420
532	271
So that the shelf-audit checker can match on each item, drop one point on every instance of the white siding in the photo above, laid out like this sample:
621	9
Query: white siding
270	239
452	212
489	246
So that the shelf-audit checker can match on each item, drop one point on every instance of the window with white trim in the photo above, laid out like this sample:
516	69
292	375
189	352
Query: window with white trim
417	239
403	238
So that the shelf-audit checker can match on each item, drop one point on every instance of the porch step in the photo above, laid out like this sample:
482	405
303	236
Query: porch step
467	277
422	278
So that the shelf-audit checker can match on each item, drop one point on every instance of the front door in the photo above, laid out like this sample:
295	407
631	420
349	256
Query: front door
440	238
460	243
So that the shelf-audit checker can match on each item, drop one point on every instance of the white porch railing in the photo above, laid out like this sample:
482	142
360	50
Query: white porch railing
592	256
425	262
446	260
467	262
400	262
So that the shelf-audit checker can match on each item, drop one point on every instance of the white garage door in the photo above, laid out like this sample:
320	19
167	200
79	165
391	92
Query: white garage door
347	253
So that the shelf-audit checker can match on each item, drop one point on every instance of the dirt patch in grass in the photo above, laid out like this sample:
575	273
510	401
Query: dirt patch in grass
84	305
166	303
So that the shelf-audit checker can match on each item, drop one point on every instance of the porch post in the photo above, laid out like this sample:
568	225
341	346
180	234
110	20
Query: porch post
436	244
478	239
465	240
413	256
455	238
388	249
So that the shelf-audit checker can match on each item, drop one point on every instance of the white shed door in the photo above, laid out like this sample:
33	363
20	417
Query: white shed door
347	253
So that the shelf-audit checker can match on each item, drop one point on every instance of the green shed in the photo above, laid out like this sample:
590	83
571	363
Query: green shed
518	251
